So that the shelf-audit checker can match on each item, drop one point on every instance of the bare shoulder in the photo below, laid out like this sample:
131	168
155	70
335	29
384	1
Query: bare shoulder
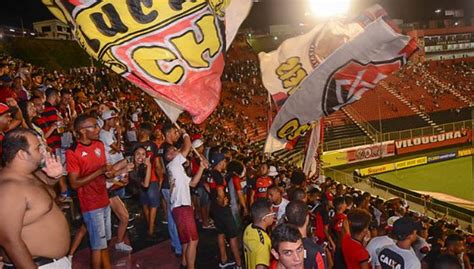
12	189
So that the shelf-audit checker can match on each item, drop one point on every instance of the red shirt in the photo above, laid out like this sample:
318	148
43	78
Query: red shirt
338	222
273	264
329	196
261	186
354	252
239	184
85	160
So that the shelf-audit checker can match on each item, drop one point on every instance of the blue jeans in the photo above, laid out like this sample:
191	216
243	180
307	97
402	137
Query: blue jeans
173	231
98	226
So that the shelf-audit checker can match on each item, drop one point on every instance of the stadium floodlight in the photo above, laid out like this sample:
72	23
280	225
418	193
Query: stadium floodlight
275	38
12	30
329	8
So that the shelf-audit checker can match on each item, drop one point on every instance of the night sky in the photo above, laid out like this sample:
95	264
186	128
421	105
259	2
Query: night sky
267	12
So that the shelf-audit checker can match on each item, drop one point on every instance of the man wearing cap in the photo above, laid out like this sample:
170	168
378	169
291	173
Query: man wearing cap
111	136
380	242
221	211
5	120
401	254
203	196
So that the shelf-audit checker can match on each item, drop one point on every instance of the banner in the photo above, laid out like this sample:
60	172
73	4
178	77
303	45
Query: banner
334	158
341	79
411	163
284	69
442	157
358	154
465	152
433	141
377	169
370	152
173	50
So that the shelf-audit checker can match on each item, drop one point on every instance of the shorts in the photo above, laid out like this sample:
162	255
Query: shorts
185	224
150	196
98	226
62	263
203	196
224	221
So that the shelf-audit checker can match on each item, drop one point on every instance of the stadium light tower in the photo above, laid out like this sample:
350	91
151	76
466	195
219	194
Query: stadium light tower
329	8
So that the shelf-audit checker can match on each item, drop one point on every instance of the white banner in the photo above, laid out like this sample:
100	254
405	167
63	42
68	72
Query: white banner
341	79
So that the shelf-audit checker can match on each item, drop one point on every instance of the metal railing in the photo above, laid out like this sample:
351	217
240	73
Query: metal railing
417	132
436	207
346	143
374	133
404	134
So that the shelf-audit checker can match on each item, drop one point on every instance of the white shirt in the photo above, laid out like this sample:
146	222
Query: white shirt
375	245
179	182
393	257
419	245
108	138
280	209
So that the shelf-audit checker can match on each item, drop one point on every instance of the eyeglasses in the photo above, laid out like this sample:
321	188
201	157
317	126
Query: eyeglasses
91	126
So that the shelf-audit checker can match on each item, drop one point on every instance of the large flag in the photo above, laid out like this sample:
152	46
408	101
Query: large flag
171	49
285	68
342	78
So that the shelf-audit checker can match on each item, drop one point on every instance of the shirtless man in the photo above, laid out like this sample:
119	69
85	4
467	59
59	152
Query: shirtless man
28	213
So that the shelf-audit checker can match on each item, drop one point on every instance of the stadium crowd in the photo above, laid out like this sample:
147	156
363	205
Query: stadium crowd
97	139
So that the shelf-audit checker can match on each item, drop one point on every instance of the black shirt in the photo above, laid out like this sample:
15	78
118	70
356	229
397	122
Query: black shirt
215	180
315	255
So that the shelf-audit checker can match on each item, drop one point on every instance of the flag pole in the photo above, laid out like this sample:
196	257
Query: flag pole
193	149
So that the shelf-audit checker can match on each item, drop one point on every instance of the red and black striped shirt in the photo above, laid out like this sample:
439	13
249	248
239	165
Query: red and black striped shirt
48	118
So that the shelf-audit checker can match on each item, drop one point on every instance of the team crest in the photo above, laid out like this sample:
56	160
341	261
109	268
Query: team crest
348	83
98	153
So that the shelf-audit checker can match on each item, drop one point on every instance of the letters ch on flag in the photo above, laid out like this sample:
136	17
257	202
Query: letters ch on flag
173	51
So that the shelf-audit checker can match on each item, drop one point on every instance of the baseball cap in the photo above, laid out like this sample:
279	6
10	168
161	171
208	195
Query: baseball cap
197	143
272	171
4	109
107	115
391	221
216	158
405	226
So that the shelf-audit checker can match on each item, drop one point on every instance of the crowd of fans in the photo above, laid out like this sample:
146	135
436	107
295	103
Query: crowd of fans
111	140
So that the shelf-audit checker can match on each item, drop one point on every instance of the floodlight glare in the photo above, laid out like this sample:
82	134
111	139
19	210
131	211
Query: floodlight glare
329	8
